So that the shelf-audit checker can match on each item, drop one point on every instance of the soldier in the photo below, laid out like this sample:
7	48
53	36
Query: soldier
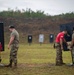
59	47
13	46
72	47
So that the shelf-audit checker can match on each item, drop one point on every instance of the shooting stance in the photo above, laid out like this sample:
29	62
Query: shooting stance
59	46
13	46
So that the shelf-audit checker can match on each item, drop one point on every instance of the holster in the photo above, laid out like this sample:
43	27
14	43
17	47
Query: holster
56	45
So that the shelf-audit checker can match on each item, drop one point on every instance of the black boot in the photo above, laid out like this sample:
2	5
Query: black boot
15	65
10	64
0	59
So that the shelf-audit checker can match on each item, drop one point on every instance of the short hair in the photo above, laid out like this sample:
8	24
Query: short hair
11	26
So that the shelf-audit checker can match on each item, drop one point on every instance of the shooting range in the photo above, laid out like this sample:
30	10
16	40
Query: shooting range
31	41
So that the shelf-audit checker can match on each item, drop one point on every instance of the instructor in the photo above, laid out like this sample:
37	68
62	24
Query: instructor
59	46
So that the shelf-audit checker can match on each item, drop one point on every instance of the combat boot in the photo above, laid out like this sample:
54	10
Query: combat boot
10	64
0	59
15	65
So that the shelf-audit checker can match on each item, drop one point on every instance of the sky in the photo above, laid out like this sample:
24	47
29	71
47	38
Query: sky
51	7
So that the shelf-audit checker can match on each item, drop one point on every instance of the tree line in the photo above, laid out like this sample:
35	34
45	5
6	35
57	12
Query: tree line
28	13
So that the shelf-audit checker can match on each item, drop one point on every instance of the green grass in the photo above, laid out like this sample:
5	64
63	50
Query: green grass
36	60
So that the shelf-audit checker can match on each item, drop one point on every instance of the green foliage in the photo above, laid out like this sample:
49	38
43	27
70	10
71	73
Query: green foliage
27	14
67	15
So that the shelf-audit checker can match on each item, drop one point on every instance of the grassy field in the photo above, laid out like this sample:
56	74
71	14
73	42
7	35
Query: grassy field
37	60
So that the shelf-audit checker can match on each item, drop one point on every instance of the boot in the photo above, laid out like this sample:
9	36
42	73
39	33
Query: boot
10	64
15	65
0	60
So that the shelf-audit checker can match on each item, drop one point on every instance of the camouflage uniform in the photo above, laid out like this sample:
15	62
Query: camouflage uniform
58	45
59	60
14	46
72	52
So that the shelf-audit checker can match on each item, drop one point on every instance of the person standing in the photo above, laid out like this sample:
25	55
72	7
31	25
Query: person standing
72	47
13	45
59	46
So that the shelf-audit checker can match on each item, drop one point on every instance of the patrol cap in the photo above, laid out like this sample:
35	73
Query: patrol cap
11	26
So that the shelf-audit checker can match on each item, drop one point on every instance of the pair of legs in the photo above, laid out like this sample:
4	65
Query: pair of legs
13	56
72	54
59	60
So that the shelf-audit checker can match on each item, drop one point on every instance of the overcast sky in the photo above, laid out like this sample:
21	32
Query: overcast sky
52	7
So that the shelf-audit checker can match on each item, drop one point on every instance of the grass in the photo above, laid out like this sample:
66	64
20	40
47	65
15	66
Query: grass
37	60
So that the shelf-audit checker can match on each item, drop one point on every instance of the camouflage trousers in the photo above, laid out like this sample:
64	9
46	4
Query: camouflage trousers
59	60
13	53
72	53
